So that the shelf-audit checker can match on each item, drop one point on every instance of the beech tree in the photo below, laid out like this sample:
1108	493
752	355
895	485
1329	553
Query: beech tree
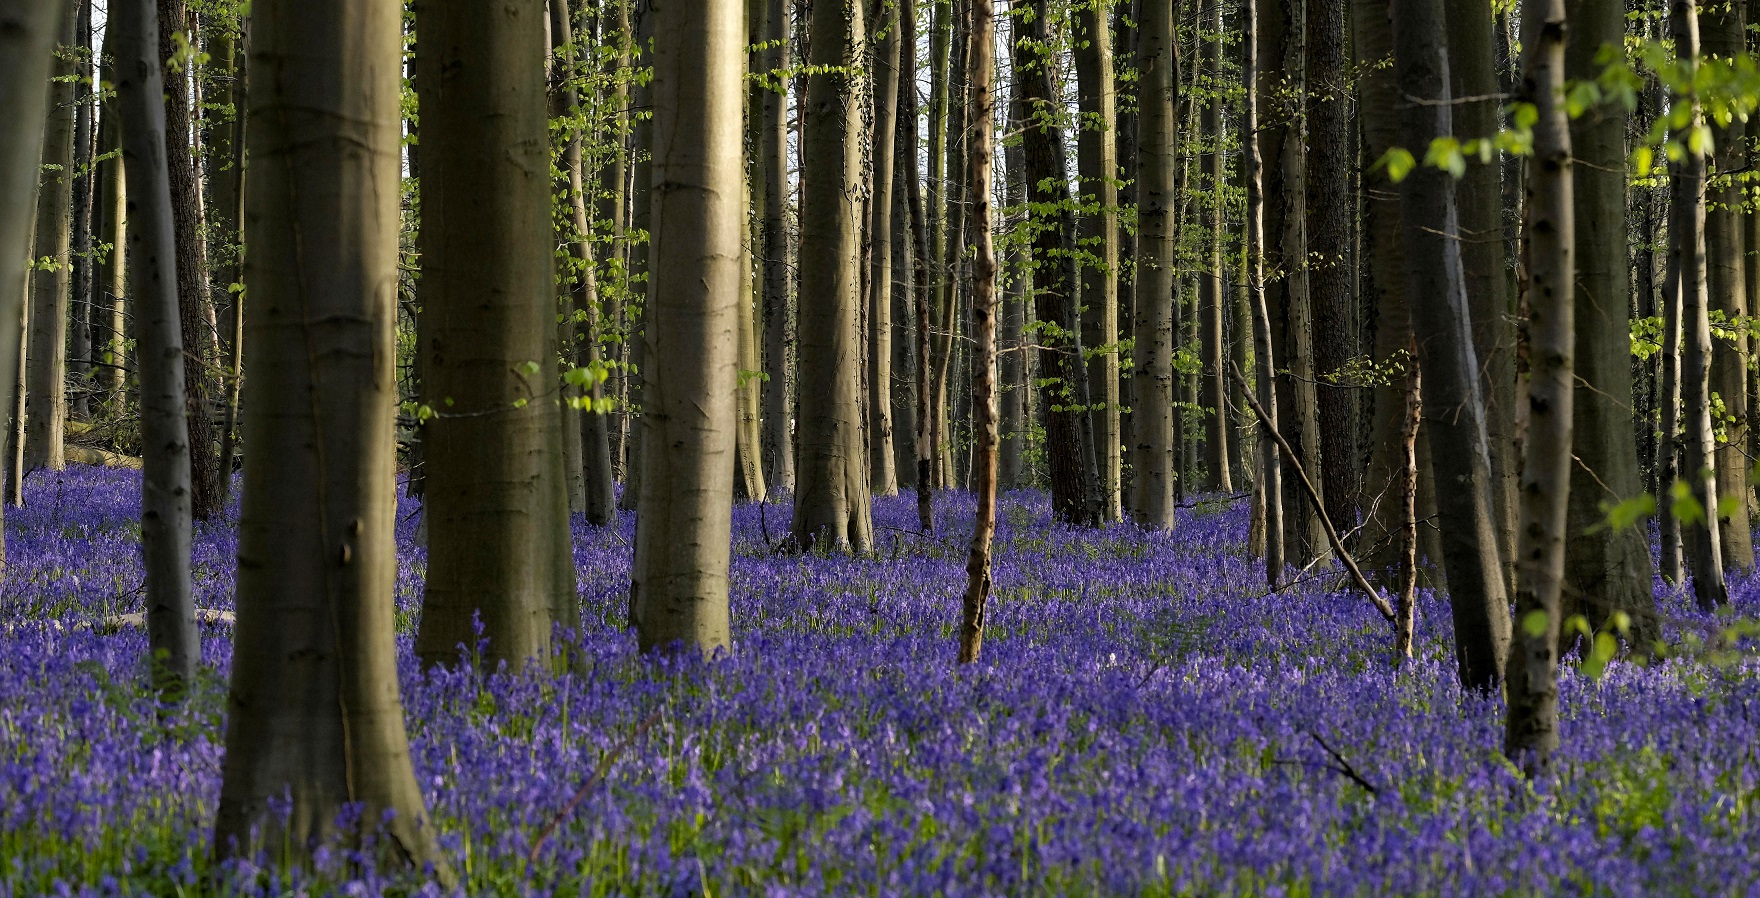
678	589
314	714
1152	465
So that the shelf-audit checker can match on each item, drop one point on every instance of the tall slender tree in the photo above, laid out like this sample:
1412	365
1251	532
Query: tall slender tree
498	539
1606	569
778	398
881	474
1152	463
1330	287
45	394
1069	444
831	491
1212	398
1531	733
982	57
1097	171
1269	484
921	211
678	590
1453	407
314	711
27	39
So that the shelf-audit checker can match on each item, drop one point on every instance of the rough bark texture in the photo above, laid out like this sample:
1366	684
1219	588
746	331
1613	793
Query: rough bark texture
314	713
1097	171
27	39
1687	250
984	430
1331	158
1069	447
678	589
1531	731
832	505
1453	407
195	307
1153	478
498	539
45	394
1606	570
1722	32
778	398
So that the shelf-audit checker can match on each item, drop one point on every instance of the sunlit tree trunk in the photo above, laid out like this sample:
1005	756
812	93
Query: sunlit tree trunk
498	539
678	589
45	394
110	290
1453	407
314	714
1269	484
881	475
1097	171
79	349
982	67
1531	733
1152	471
28	29
1687	249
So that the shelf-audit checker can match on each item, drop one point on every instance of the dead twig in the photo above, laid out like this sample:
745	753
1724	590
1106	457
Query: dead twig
597	777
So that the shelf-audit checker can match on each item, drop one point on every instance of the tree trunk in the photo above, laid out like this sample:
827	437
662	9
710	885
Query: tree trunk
614	192
1152	465
498	538
1722	30
1097	173
1453	407
1531	732
1329	207
45	393
984	431
777	399
195	311
1015	423
678	589
1606	569
314	712
937	213
635	320
832	497
881	474
595	472
1069	448
952	257
1688	251
1669	443
27	39
1472	49
226	180
920	246
1212	398
1269	483
79	363
110	291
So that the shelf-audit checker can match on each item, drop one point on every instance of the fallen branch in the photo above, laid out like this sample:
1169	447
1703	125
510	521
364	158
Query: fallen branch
1344	766
1338	548
597	777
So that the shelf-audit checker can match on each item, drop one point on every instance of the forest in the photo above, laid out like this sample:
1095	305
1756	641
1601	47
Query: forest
879	447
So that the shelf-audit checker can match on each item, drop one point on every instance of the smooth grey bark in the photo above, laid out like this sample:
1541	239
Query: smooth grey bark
1723	32
832	504
678	589
882	476
1069	445
1687	252
1453	406
778	395
498	539
28	29
1672	560
45	394
1606	569
1153	478
79	349
1098	230
597	485
165	479
314	713
1531	726
110	292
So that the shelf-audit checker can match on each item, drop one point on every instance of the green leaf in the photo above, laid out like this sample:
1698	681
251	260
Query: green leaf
1643	160
1534	623
1398	162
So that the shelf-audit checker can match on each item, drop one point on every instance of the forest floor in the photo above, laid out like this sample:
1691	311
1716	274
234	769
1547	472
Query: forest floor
1145	721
